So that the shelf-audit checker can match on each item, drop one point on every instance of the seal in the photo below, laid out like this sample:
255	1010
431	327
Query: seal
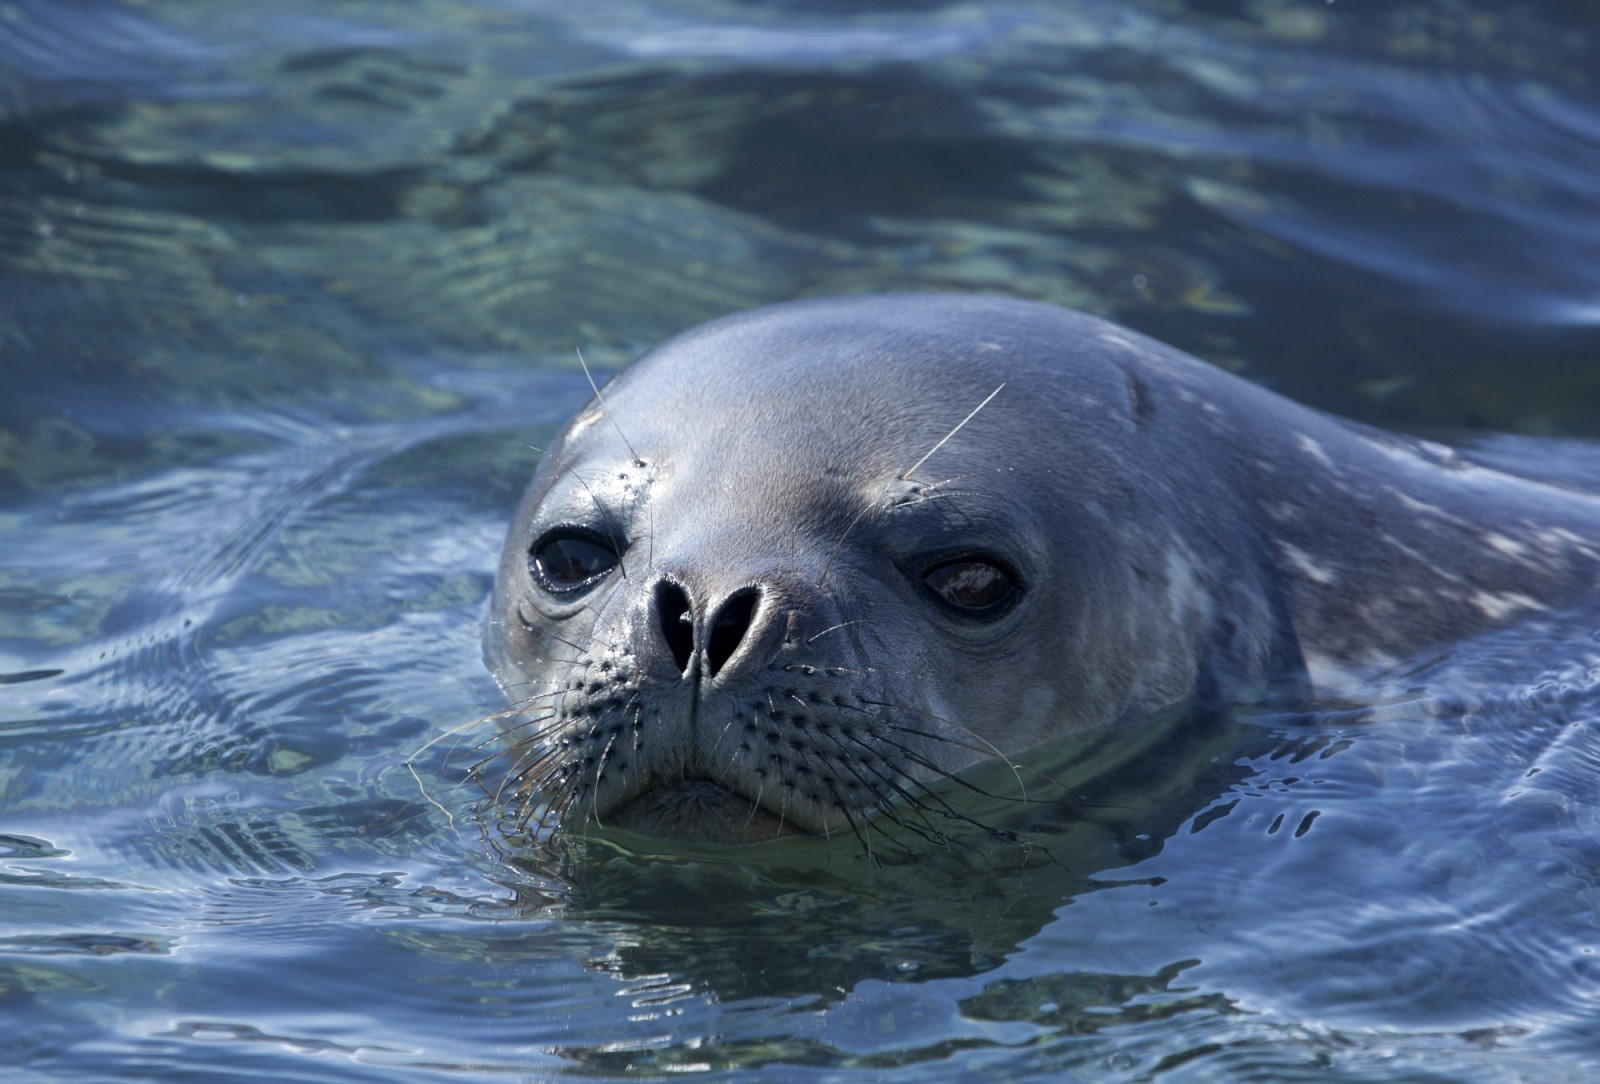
796	566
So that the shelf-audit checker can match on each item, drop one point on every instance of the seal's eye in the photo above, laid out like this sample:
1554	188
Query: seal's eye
566	561
975	587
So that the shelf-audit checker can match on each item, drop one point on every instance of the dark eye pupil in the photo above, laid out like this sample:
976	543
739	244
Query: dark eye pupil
970	585
568	562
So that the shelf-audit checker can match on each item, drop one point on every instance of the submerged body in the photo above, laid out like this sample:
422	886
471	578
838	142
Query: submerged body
754	588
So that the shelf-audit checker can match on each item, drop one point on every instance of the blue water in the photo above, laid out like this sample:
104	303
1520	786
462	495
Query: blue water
290	296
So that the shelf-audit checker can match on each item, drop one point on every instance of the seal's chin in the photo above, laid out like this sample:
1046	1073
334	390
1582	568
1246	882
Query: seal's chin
699	809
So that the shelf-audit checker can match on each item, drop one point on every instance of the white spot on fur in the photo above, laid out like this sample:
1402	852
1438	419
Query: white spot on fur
1112	337
1183	592
1305	565
1559	538
1401	547
1497	605
1283	512
1432	455
1442	453
1315	451
1423	507
1508	546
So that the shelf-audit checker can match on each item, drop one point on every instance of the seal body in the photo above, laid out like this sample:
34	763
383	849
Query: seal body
780	577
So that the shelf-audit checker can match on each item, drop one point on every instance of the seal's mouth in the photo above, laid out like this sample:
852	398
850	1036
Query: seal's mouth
699	809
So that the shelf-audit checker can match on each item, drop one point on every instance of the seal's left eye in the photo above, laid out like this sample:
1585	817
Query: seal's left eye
975	587
565	561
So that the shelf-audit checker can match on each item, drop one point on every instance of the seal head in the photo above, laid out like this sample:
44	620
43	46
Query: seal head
799	564
755	589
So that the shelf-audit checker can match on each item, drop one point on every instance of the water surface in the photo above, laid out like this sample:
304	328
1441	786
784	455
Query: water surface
291	295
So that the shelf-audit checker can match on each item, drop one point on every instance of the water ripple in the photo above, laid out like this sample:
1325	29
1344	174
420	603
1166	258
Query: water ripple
54	54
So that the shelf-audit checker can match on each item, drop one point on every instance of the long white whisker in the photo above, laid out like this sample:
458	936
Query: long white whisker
906	474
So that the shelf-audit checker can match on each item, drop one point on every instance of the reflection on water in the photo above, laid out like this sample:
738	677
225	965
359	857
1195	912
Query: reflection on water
289	297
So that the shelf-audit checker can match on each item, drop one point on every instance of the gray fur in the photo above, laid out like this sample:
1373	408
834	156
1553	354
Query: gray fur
1180	535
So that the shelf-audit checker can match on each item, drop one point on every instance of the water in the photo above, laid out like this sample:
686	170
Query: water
289	297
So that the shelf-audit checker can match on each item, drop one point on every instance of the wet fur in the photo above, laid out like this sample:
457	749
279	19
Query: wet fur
1183	539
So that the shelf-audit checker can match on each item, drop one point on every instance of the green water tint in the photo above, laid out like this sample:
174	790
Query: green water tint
289	300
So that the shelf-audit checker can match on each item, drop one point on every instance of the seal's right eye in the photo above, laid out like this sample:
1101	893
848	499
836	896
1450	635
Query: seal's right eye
973	587
567	561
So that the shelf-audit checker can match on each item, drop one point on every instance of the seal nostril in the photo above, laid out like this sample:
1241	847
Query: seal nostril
727	631
676	622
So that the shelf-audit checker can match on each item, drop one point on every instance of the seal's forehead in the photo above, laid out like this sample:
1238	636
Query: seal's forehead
835	361
886	354
765	430
860	389
815	347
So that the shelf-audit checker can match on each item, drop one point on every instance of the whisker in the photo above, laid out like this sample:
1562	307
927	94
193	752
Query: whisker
605	515
940	805
984	744
906	474
890	811
843	807
930	487
601	399
831	628
885	806
945	773
839	546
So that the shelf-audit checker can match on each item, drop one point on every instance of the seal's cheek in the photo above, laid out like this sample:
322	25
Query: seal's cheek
1039	706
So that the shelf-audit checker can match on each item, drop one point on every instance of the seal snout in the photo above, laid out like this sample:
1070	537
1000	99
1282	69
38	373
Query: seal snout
740	742
702	640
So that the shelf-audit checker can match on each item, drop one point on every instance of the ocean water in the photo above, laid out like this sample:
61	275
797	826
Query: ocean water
292	294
